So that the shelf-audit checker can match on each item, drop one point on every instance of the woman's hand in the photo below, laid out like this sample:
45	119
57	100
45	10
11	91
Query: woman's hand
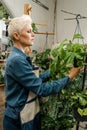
74	72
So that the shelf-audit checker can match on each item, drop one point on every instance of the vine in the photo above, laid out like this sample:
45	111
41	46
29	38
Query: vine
58	112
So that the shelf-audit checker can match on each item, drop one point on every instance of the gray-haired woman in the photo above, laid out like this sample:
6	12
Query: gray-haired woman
22	85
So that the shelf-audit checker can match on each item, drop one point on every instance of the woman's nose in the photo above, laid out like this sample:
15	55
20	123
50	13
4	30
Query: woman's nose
33	34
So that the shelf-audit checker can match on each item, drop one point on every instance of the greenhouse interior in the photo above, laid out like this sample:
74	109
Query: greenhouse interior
43	65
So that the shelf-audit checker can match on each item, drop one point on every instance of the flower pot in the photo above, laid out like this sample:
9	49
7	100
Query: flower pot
78	117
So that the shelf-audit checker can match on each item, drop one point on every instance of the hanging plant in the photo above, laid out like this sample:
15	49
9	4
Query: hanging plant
57	113
79	103
64	55
79	36
35	29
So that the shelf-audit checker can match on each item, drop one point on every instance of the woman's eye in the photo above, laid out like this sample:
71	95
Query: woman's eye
28	31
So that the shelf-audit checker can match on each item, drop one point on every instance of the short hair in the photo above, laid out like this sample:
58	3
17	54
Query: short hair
17	24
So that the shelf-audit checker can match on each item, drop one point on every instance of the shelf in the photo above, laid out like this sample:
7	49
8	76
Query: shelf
1	85
47	33
2	61
41	24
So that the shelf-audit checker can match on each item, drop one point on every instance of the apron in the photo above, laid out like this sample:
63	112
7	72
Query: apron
30	115
30	109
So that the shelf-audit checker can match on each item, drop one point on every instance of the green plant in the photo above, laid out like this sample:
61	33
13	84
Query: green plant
3	12
63	57
35	29
42	59
79	101
57	113
78	36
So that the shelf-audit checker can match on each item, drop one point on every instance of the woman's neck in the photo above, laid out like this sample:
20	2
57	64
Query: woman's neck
19	46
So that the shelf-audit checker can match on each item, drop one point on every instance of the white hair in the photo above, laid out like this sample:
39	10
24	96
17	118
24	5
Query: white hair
17	24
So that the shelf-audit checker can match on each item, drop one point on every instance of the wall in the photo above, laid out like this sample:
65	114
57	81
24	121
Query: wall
39	14
66	28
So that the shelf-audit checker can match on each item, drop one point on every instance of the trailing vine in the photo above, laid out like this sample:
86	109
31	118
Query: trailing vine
57	112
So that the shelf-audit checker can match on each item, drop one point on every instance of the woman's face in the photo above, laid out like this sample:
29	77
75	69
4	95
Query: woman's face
26	36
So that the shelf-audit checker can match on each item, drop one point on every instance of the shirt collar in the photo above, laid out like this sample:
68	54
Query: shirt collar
18	51
22	53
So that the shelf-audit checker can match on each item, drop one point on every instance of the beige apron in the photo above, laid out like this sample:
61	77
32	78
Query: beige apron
32	108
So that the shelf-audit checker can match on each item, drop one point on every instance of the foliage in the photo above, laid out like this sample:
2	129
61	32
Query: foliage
57	112
42	59
63	58
80	102
3	12
3	55
79	36
35	29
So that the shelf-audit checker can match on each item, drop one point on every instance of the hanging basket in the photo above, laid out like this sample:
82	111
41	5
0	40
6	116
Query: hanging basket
78	117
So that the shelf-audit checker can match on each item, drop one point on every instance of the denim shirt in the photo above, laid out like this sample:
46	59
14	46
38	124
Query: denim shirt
20	79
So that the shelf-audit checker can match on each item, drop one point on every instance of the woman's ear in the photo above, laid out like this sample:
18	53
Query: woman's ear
16	36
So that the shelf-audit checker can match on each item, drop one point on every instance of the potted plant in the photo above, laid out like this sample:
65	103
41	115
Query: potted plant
64	55
79	103
57	112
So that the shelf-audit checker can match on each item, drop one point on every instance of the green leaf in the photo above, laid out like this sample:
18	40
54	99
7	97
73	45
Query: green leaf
82	112
82	101
34	28
76	36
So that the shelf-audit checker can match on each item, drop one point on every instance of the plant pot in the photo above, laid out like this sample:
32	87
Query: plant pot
78	117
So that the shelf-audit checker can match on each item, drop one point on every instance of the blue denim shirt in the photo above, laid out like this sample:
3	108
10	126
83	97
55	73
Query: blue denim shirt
20	78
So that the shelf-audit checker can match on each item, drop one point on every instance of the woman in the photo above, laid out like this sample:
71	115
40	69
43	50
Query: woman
22	85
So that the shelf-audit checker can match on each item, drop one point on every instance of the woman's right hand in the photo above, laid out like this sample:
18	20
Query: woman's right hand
74	72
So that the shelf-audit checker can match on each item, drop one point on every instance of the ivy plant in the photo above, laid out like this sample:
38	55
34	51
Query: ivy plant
42	59
64	55
58	112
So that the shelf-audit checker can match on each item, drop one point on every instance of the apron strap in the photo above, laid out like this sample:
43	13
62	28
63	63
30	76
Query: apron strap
32	100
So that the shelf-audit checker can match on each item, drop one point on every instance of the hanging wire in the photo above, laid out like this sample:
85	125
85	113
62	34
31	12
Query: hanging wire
78	29
45	45
55	10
